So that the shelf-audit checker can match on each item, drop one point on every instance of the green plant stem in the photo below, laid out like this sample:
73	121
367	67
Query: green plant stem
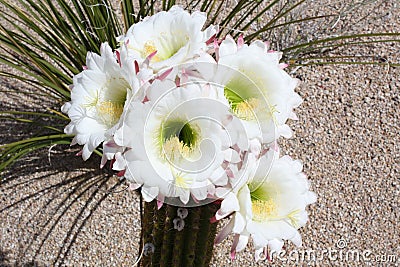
191	246
158	230
168	240
189	252
206	237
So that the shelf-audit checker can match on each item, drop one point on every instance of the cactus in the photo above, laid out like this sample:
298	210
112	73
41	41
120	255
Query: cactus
174	236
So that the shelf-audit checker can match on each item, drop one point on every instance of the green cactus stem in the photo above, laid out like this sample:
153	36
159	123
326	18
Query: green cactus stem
174	236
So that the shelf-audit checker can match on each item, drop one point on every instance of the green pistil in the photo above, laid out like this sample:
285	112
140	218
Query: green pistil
180	129
233	98
242	101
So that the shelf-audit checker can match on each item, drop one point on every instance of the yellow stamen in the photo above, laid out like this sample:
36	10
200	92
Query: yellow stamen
174	149
148	49
109	111
294	218
246	110
91	101
263	209
273	110
181	182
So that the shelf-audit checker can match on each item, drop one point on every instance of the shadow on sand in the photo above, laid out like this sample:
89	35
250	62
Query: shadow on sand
67	192
64	191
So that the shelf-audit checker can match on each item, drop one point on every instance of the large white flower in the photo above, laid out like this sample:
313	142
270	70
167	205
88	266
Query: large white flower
169	38
259	92
178	141
270	206
98	97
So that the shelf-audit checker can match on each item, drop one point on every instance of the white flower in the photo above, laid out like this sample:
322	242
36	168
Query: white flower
270	206
137	74
236	205
259	92
177	141
169	38
97	101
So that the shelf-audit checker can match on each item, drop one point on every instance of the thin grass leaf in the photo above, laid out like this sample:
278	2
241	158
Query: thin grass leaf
128	13
292	22
231	15
283	12
32	83
209	11
9	154
35	139
47	42
345	59
17	93
168	4
37	124
320	63
38	114
247	13
50	37
61	42
309	46
146	8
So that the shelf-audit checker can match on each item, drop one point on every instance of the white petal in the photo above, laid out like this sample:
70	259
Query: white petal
231	155
222	192
199	190
149	193
88	125
86	152
259	44
240	223
255	146
228	205
184	196
120	162
311	197
65	108
275	245
219	177
227	47
243	240
296	239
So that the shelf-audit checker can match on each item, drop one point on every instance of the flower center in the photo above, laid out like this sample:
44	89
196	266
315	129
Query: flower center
263	209
149	48
109	112
110	101
180	129
166	45
246	109
175	149
178	139
244	106
264	203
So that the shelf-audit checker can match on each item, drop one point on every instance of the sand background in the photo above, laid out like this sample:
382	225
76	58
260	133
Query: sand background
56	208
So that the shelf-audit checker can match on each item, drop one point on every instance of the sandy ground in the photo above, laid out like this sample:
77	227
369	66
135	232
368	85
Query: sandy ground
54	208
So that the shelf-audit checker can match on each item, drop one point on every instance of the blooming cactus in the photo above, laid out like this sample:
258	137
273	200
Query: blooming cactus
191	120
